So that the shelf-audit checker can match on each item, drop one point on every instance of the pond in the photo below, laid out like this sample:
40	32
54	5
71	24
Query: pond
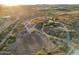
75	51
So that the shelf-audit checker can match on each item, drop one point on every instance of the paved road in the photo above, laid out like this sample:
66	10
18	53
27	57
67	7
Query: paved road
4	40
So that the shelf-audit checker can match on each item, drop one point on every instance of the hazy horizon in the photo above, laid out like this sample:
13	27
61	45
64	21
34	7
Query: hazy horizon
35	2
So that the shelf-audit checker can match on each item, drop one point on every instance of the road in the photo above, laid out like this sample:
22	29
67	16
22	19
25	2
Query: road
7	36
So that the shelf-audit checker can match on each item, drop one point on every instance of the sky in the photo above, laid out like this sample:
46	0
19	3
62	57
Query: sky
33	2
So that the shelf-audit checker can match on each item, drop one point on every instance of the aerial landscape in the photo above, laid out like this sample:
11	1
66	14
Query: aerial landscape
39	29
